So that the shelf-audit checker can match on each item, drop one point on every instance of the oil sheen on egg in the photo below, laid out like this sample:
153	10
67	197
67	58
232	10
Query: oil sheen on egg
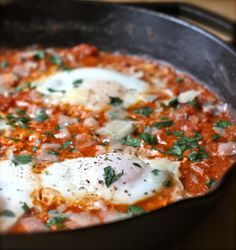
76	87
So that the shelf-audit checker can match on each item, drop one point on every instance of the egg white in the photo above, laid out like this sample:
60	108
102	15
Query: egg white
97	85
79	177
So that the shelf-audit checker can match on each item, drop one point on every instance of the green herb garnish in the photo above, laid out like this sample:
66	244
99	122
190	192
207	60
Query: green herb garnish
148	138
76	83
215	137
162	124
211	183
156	171
56	219
131	141
135	210
34	149
173	103
42	116
66	144
25	207
56	91
110	176
53	152
55	59
222	124
40	55
7	213
22	159
4	64
145	111
179	79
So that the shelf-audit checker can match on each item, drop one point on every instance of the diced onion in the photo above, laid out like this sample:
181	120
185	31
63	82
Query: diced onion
32	224
228	148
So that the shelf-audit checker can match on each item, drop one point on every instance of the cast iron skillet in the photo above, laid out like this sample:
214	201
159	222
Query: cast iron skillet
136	31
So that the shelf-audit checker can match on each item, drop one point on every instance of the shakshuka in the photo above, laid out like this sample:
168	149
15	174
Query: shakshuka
90	137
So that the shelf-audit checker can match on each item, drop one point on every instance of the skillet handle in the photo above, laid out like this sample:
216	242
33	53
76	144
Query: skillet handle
212	22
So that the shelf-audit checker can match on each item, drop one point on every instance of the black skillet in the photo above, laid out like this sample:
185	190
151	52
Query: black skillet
136	31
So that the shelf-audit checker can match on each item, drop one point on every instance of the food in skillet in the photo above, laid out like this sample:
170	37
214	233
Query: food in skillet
90	137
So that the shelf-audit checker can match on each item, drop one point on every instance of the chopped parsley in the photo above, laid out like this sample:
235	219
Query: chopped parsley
184	143
211	183
155	171
66	144
21	121
115	101
135	210
137	164
40	55
178	133
131	141
4	64
193	103
148	138
179	79
222	124
56	219
34	149
56	91
145	111
53	152
215	137
25	207
168	183
162	124
49	133
42	116
173	103
198	156
110	176
22	159
76	83
7	213
55	59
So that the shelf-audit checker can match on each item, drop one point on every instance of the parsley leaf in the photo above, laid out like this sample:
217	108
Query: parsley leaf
115	101
155	171
55	59
56	91
211	183
7	213
42	116
76	83
131	141
145	111
173	103
25	207
40	55
110	176
21	121
148	138
66	144
56	219
222	124
4	64
215	137
198	156
22	159
135	210
162	124
53	152
179	79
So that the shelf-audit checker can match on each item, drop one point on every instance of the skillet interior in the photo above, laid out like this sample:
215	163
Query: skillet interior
65	23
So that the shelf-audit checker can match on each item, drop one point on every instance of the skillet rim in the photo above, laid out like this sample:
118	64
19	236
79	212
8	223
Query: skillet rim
220	186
